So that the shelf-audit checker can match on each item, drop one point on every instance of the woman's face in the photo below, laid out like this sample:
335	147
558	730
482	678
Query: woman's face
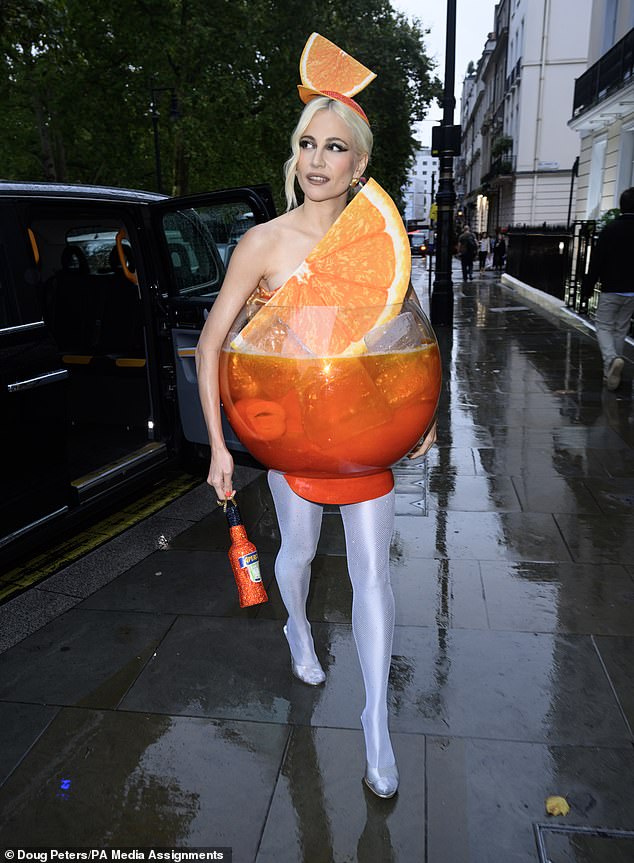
327	160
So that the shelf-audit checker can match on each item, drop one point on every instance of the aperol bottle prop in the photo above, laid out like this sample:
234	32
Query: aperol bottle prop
244	560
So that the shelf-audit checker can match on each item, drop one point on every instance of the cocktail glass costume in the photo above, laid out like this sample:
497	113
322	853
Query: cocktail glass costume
329	394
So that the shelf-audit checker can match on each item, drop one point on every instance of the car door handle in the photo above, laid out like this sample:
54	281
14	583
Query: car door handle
39	381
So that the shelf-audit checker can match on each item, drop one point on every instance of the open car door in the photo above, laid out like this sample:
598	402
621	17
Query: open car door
198	235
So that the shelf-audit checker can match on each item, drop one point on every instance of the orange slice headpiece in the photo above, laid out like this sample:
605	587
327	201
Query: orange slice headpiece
326	70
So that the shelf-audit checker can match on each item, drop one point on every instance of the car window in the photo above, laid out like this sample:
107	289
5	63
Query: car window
195	263
228	223
96	246
20	301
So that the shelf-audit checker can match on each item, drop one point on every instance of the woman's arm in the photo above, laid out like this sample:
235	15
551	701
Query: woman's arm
245	270
426	443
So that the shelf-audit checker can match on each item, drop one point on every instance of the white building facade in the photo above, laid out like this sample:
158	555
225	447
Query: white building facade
603	110
528	69
421	186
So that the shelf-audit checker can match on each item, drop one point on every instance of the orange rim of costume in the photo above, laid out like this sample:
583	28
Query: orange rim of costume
342	490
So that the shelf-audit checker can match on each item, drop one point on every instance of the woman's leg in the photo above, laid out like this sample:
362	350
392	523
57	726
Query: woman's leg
300	524
368	527
604	321
622	323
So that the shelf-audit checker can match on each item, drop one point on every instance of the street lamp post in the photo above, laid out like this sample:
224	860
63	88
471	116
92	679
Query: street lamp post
154	114
432	229
445	140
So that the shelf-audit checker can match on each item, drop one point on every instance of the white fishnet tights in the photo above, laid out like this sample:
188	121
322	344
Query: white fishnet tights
368	528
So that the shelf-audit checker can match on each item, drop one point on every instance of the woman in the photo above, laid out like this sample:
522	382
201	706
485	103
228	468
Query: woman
484	248
499	252
331	146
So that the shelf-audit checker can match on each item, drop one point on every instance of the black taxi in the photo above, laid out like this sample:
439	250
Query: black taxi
103	293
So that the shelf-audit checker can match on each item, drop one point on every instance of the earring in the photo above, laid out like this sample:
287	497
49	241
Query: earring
353	182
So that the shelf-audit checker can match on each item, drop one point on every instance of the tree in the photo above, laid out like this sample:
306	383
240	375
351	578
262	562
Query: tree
78	79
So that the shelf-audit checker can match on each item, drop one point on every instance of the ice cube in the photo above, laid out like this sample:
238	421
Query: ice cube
401	333
275	337
292	345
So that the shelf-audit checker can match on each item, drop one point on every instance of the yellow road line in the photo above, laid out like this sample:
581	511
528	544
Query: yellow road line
62	554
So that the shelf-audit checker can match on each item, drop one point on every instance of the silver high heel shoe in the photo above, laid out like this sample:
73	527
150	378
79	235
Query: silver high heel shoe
383	781
313	675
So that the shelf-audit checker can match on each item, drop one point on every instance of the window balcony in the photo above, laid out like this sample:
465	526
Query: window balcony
608	75
514	77
501	167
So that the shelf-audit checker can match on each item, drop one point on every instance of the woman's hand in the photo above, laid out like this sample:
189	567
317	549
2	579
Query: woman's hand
221	473
423	447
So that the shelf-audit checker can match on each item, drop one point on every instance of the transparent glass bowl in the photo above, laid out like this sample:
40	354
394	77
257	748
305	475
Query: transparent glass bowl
330	392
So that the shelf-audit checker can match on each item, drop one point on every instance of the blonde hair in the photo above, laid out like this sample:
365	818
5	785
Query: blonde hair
362	138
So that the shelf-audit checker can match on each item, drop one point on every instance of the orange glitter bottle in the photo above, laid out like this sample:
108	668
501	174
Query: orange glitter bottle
245	563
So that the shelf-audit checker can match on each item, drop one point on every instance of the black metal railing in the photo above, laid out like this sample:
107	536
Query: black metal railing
582	242
502	166
514	75
579	251
538	256
610	73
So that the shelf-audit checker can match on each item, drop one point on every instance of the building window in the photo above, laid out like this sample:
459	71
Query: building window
609	24
595	185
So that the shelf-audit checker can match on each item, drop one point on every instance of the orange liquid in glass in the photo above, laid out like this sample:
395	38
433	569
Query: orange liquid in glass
330	417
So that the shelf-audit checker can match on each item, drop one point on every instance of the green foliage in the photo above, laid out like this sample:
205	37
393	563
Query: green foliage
76	81
607	217
501	146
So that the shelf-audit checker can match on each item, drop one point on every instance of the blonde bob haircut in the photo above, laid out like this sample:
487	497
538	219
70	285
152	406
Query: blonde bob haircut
362	138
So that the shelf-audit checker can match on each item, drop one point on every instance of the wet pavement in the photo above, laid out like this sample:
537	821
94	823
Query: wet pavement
140	706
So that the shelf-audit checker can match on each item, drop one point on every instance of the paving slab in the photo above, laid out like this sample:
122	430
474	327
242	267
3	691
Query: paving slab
22	725
115	779
321	811
179	582
486	796
559	597
85	657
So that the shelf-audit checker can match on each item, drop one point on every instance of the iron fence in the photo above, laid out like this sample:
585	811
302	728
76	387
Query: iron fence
539	257
607	75
555	260
582	240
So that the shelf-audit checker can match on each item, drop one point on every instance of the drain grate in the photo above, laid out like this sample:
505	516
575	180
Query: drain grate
584	844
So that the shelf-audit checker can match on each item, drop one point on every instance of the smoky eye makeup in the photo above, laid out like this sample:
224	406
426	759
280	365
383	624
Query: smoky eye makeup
335	145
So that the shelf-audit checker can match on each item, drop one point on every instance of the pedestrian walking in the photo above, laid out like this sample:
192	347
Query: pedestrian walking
611	264
467	250
499	252
331	146
484	249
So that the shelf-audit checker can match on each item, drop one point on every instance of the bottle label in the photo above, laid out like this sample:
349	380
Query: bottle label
251	563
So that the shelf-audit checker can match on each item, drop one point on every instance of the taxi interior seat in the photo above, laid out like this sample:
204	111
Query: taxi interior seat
68	301
121	329
110	389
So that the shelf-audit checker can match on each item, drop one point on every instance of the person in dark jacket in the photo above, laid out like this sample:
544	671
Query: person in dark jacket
611	263
467	249
499	252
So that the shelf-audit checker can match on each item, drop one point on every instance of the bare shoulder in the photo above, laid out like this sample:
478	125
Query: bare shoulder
270	232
